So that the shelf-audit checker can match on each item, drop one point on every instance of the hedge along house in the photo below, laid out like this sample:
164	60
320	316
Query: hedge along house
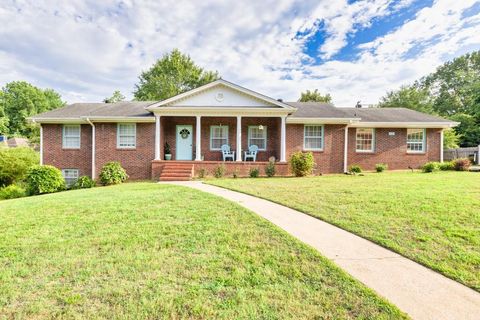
82	137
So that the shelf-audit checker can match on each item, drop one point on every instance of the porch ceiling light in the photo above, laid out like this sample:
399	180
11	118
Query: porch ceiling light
260	127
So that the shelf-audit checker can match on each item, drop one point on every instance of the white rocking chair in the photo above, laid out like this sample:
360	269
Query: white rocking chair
226	153
251	153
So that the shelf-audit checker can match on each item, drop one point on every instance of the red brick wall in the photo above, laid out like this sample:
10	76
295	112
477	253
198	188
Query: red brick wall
137	162
55	155
392	150
330	160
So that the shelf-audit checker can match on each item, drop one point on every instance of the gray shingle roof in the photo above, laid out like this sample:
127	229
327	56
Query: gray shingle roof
391	115
317	110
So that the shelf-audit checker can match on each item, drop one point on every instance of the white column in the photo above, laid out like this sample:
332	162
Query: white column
198	146
157	137
283	139
441	146
41	145
239	138
345	151
93	151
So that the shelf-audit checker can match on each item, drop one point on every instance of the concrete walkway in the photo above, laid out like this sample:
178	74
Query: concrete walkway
416	290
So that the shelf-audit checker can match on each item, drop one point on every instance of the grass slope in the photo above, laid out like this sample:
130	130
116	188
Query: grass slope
145	250
431	218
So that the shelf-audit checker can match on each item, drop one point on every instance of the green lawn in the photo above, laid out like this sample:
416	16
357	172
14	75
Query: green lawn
145	250
431	218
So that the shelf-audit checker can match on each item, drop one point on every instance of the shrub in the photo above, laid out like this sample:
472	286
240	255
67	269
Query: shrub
202	173
84	182
44	179
462	164
11	192
302	163
431	167
380	167
446	166
15	163
354	169
112	173
236	173
219	171
254	173
270	169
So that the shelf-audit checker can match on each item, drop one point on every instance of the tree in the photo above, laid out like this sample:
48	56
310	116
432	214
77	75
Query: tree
20	100
468	129
314	96
451	139
408	97
173	74
117	96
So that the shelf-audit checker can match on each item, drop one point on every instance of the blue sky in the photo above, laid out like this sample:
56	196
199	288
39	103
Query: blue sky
355	50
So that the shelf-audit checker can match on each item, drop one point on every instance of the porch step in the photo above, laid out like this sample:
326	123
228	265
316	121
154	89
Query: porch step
176	172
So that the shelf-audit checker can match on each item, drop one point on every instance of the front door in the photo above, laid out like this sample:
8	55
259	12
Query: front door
184	142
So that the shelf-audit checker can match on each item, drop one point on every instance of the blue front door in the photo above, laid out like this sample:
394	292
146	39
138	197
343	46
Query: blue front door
184	142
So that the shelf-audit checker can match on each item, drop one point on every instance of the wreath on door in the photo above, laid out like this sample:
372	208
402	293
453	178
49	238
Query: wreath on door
184	133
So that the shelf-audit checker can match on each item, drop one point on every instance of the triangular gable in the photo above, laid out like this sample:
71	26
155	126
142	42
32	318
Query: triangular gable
223	94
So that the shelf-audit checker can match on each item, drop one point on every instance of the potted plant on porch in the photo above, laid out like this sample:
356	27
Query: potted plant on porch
167	152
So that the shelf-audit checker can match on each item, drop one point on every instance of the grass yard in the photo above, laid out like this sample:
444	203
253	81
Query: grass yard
431	218
150	251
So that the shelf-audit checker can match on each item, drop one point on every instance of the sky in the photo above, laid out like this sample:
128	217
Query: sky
354	50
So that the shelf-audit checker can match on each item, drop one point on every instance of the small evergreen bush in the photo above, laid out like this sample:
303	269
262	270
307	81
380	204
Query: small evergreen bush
447	166
380	167
83	182
354	169
302	163
219	171
44	179
11	192
112	173
254	173
202	173
462	164
270	169
431	166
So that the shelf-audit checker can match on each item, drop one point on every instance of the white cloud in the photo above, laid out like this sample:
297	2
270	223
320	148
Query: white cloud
86	50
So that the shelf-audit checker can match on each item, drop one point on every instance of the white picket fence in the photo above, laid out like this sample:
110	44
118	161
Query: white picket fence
450	154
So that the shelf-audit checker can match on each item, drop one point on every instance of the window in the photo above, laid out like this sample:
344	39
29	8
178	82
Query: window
365	140
257	135
71	136
126	135
218	137
415	140
313	137
70	176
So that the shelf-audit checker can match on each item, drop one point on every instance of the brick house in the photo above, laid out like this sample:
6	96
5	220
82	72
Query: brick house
82	137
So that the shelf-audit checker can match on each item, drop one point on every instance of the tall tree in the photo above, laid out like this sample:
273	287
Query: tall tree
173	74
117	96
314	96
19	100
408	97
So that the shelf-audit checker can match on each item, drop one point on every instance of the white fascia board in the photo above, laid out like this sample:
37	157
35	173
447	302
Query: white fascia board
221	112
57	120
443	125
86	120
348	121
228	84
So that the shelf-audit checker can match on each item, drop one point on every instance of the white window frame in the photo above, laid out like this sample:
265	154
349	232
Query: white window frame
264	138
212	128
372	149
424	141
322	135
69	181
119	144
65	137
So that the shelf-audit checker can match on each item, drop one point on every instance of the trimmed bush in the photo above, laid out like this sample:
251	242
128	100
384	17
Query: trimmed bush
380	167
270	169
447	166
44	179
354	169
462	164
302	163
236	173
219	171
431	167
202	173
15	163
112	173
11	192
254	173
83	182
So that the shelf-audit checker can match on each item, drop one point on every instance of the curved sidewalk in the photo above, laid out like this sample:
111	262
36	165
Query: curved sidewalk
415	289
